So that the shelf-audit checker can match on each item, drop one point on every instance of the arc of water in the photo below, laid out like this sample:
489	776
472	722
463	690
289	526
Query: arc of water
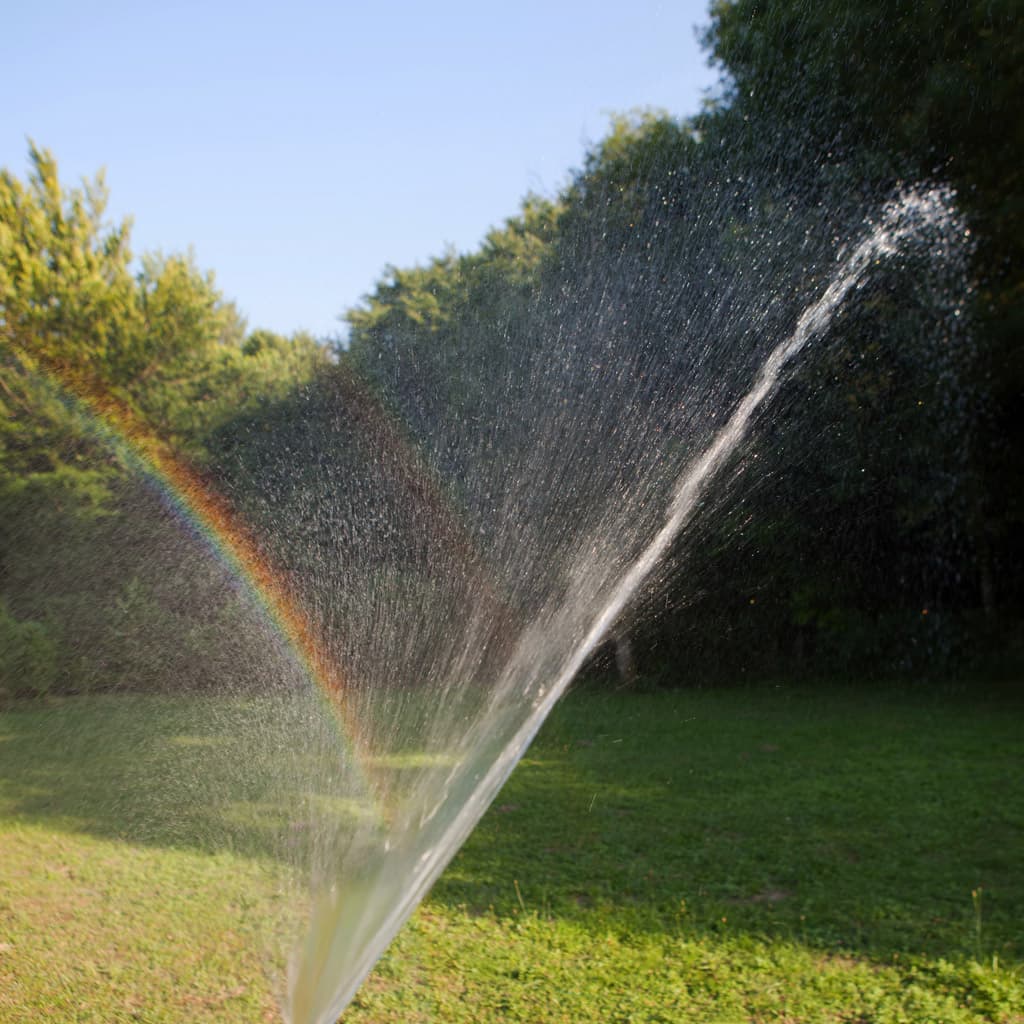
906	216
901	218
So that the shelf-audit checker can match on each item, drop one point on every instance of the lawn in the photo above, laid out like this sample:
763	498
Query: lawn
708	856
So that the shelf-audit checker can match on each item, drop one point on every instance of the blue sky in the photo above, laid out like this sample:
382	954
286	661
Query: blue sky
299	148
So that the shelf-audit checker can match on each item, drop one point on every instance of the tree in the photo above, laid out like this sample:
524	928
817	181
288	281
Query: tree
912	89
101	360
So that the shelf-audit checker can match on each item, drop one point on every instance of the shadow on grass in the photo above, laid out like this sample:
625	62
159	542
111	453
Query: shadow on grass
202	773
853	822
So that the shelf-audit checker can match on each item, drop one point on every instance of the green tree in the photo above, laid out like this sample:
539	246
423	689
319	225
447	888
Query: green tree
905	90
93	348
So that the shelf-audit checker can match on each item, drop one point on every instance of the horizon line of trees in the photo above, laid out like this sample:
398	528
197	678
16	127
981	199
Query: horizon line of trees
885	531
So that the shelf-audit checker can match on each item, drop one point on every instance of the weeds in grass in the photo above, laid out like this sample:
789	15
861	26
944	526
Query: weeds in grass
976	895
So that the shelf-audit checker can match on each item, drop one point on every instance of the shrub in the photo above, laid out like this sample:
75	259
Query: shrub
28	655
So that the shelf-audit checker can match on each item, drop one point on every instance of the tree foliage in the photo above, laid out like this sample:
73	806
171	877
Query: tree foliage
882	529
86	332
910	90
878	544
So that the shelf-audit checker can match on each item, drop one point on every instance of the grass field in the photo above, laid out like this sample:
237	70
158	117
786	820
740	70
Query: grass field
743	856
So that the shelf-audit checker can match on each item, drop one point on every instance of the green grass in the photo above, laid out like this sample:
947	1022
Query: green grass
744	856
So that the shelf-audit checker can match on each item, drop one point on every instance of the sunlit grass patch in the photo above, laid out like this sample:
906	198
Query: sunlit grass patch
413	759
99	930
725	857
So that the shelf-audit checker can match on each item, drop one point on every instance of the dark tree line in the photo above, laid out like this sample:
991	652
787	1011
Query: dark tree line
871	524
881	530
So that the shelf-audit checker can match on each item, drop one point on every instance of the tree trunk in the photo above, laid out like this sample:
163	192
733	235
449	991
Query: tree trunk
624	658
988	585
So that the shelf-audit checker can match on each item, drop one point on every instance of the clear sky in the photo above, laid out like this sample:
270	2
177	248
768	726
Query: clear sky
301	147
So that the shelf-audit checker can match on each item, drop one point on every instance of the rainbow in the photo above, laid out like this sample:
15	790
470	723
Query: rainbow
210	517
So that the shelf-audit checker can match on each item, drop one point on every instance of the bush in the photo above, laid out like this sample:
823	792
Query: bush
28	655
